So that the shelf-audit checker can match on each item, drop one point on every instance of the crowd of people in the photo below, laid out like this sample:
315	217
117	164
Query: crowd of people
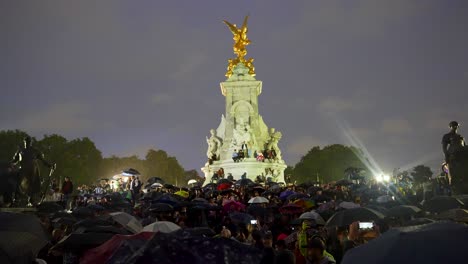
262	222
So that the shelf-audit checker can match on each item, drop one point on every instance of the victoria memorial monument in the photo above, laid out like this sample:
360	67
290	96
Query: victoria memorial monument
243	144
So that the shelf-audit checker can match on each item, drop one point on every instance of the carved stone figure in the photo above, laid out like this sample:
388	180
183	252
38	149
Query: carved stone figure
214	145
272	144
27	158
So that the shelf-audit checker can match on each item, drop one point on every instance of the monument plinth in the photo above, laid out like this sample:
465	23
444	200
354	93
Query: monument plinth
242	143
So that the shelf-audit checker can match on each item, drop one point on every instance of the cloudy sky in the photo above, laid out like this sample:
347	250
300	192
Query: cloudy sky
385	75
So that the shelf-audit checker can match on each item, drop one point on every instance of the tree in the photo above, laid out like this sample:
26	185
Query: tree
421	174
327	164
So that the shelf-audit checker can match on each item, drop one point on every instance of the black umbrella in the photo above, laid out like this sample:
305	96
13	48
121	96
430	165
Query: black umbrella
220	181
343	182
49	207
169	186
196	231
199	200
313	190
78	242
403	211
348	216
151	196
161	208
244	182
92	222
241	218
21	236
82	212
431	243
155	180
440	204
296	196
256	210
131	171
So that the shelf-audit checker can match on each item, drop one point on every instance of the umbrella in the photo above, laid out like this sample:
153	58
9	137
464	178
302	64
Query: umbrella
403	211
77	242
344	182
161	208
82	212
233	206
290	209
169	199
305	203
296	196
183	194
162	226
130	172
348	205
418	221
223	186
220	181
347	217
447	242
195	232
442	203
256	210
96	207
92	222
384	199
312	215
155	180
199	200
458	214
244	218
156	185
244	182
258	200
105	251
49	207
127	221
186	248
284	195
192	182
22	236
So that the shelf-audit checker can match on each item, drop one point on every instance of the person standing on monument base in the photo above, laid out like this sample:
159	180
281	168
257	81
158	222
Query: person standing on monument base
67	190
452	141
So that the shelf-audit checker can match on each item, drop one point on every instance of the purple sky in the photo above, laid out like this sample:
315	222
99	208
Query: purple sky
132	75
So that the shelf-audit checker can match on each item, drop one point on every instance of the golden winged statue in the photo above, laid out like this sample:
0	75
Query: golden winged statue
240	42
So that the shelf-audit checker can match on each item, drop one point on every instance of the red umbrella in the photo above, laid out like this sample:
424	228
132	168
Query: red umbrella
105	251
224	186
232	206
291	209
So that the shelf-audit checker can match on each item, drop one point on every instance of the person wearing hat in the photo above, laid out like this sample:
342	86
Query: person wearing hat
315	252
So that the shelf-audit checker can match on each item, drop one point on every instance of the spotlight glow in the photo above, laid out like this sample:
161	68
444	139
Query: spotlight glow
386	178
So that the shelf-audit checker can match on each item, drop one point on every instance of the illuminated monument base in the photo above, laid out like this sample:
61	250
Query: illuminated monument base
243	128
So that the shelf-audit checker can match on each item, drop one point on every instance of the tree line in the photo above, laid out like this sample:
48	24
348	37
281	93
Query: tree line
83	162
330	163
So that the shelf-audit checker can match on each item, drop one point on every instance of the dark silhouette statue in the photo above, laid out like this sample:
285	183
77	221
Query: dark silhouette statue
456	158
29	177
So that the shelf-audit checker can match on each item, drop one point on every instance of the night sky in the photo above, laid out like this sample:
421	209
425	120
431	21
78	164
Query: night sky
387	76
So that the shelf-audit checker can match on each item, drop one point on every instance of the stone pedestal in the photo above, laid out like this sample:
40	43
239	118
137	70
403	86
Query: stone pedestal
242	126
